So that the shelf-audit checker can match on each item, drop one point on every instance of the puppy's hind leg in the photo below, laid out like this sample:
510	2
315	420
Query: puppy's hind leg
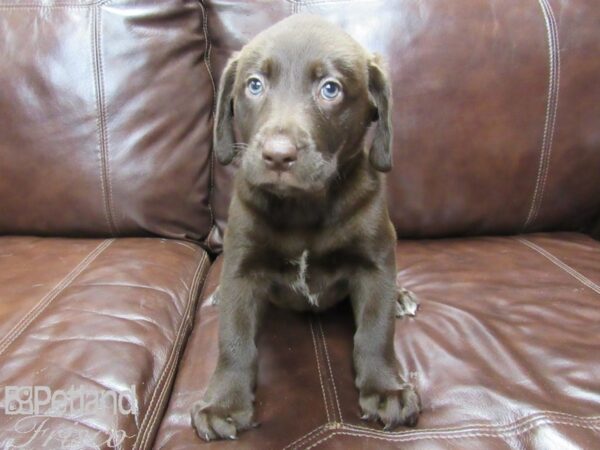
406	303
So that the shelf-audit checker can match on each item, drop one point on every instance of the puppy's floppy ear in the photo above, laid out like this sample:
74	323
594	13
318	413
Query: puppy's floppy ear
380	91
223	130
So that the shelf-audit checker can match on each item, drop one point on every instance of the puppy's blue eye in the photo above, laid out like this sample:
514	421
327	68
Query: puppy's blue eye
255	86
330	90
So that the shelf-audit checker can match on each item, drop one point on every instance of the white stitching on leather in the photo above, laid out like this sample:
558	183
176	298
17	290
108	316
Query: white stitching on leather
185	244
557	262
559	413
337	401
28	318
551	111
498	432
187	324
328	2
466	435
331	424
101	118
54	5
554	28
104	112
326	381
153	409
207	50
521	422
321	429
312	332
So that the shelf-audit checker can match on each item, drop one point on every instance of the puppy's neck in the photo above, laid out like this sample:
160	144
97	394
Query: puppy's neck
355	185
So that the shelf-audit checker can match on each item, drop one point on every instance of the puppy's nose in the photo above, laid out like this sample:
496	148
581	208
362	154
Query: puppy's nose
279	153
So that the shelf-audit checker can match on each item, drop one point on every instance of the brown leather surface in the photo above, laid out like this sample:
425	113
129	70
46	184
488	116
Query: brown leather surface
105	129
503	351
95	314
496	106
104	118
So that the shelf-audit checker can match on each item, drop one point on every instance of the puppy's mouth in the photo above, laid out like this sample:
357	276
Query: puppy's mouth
285	183
309	174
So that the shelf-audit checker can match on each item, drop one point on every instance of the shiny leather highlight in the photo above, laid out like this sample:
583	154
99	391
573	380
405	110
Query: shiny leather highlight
502	350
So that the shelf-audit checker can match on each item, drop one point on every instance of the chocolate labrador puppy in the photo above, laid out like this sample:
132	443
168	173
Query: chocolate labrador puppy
308	222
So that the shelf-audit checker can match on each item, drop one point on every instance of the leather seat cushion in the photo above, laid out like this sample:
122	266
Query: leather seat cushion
503	351
98	315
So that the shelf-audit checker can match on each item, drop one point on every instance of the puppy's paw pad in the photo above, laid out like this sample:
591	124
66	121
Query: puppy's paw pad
406	303
212	423
393	408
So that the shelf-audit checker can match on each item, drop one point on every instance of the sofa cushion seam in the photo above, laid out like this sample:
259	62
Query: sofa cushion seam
203	289
321	382
414	436
554	28
337	401
43	304
560	264
163	401
100	118
150	417
65	5
211	177
550	116
104	113
171	362
319	430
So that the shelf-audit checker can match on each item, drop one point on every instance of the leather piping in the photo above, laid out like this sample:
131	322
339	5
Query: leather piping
207	50
103	149
158	400
551	111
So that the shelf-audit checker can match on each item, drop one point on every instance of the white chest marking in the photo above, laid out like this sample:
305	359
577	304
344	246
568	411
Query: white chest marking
300	285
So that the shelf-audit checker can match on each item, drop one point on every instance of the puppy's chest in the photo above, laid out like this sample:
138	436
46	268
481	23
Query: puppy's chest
309	281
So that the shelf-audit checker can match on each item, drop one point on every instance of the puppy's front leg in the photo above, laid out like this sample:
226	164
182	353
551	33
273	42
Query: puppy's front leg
384	396
227	406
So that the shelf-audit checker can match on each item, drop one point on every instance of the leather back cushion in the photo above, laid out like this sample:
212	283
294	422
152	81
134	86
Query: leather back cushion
496	106
105	118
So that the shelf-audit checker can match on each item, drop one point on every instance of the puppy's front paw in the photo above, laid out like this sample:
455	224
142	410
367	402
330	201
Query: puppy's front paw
213	422
392	408
406	303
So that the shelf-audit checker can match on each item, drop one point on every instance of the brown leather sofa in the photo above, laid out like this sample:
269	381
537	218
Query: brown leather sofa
105	157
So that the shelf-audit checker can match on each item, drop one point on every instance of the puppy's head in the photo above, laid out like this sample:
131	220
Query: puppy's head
301	96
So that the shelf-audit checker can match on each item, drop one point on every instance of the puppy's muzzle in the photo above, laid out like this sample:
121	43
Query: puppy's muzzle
279	153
